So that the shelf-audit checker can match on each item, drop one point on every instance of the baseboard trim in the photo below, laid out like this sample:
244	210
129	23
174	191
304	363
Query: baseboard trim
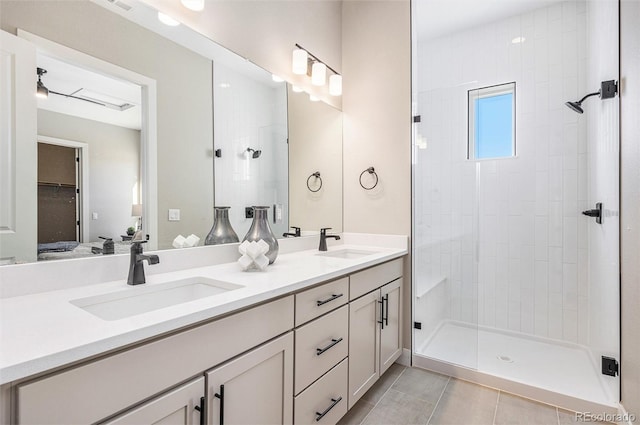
405	358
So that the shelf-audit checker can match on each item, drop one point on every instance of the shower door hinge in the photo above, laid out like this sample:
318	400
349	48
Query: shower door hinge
417	118
417	325
610	366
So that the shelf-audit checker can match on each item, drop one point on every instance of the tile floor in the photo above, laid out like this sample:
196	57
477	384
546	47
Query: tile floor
414	396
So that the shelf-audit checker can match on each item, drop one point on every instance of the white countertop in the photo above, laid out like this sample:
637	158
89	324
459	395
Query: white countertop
42	331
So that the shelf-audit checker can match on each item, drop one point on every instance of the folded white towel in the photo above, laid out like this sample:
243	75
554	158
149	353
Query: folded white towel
179	241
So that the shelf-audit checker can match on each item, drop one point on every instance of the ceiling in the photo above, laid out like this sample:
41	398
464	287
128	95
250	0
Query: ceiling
435	18
66	78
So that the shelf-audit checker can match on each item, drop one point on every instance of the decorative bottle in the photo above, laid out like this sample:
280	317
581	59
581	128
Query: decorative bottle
221	232
260	229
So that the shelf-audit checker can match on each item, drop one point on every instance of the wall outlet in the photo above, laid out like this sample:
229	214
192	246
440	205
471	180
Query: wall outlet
94	216
174	214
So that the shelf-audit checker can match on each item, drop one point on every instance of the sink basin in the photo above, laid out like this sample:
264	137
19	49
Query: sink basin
347	253
143	299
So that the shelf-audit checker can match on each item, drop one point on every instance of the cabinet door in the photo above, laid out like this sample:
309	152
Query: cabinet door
390	329
364	360
181	406
255	388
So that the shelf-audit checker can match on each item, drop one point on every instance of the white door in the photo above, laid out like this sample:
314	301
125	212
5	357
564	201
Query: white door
256	388
390	329
182	406
18	149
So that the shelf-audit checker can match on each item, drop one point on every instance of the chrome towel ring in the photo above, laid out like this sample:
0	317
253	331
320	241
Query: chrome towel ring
317	176
372	171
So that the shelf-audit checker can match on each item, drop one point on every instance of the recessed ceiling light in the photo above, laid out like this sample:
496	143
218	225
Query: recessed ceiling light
195	5
167	20
518	40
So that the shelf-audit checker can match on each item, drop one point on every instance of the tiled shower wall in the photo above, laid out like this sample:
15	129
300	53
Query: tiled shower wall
505	237
250	112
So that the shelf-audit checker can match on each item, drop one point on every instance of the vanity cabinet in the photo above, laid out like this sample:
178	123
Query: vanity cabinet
374	326
240	368
255	388
181	406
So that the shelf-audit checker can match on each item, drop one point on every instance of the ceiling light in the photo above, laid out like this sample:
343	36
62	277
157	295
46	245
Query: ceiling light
167	20
276	79
335	85
518	40
299	62
195	5
297	89
41	91
318	74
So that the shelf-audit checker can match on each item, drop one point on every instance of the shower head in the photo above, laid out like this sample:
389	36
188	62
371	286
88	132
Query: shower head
576	106
608	89
254	153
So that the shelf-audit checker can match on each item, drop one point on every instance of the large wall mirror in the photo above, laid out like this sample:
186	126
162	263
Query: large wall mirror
156	125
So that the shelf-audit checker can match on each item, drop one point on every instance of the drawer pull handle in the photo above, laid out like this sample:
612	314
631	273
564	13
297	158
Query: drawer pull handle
333	342
200	409
221	397
331	298
334	401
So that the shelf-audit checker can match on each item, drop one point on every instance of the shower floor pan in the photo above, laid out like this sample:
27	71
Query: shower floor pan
554	366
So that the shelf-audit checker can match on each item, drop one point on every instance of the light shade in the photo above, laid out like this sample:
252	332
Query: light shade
42	92
299	62
136	210
167	20
319	74
196	5
335	85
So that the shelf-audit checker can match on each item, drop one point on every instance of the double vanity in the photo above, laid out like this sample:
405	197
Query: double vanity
201	343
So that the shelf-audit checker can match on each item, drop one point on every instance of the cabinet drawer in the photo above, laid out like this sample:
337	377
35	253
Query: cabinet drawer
322	299
367	280
326	396
320	345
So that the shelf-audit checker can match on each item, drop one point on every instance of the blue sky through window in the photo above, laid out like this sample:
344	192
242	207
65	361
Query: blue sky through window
493	126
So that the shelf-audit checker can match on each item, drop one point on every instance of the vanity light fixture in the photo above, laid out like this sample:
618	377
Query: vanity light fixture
299	64
306	63
195	5
167	20
335	85
41	91
318	74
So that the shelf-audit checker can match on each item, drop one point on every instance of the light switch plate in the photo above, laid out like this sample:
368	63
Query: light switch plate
174	215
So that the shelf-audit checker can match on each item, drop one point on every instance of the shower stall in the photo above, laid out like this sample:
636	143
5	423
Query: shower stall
514	286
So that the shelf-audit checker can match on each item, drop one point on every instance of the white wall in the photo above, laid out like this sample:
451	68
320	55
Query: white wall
250	113
315	144
376	105
630	201
527	272
114	168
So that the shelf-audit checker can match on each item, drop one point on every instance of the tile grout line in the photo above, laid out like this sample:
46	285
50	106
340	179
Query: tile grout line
495	411
382	396
435	406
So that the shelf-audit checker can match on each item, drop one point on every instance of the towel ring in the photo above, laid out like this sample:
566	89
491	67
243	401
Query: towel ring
370	170
317	176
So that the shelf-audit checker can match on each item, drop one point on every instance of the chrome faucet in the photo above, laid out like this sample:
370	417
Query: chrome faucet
136	267
323	238
295	235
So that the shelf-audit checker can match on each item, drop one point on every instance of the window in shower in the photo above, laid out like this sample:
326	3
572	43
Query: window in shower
492	122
